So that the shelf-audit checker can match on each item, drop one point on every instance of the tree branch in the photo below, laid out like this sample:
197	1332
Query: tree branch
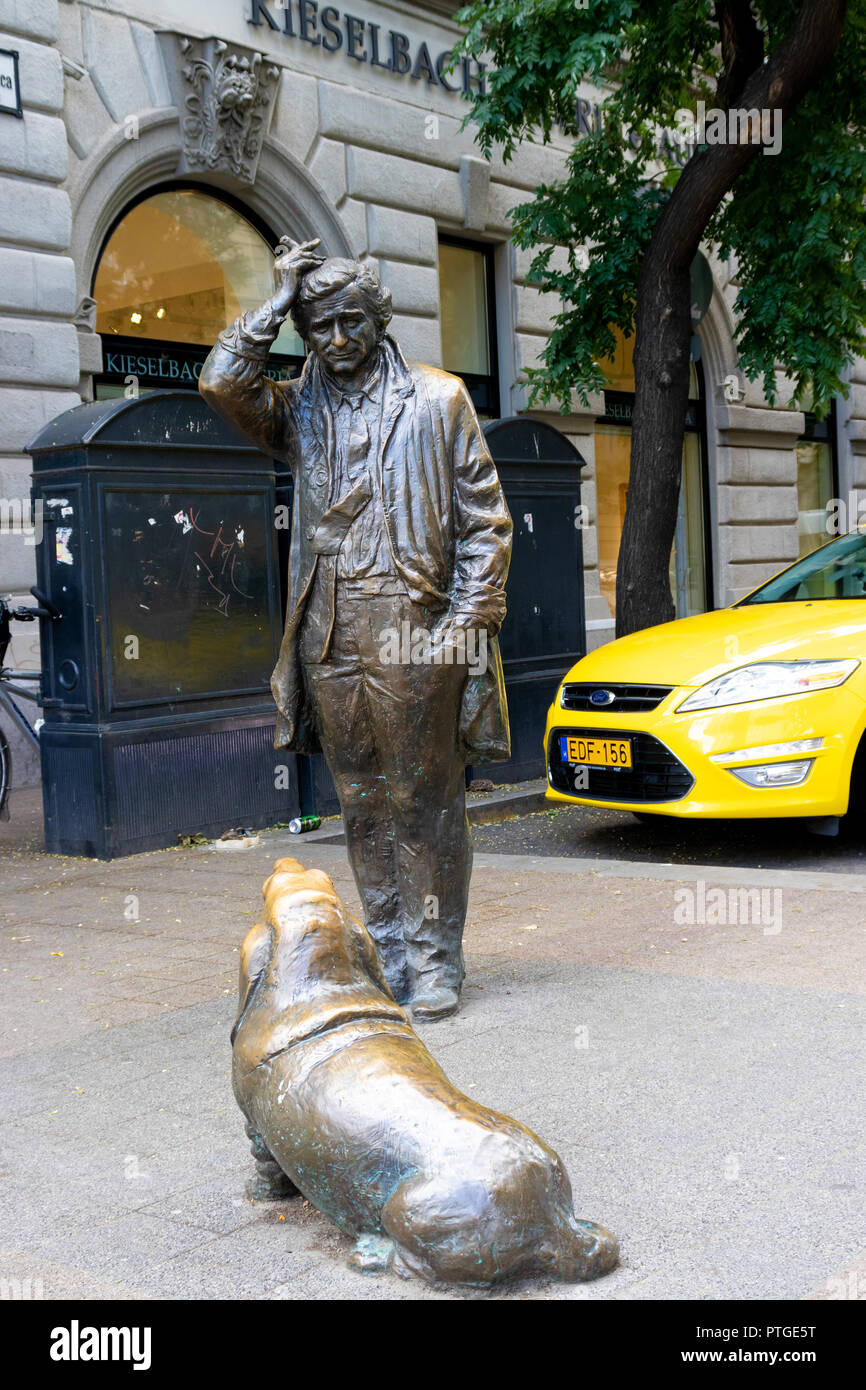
742	48
661	352
778	85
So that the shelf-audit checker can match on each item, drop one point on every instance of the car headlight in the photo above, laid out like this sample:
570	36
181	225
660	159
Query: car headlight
768	680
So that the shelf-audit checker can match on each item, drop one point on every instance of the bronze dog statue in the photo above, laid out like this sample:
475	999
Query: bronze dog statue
345	1105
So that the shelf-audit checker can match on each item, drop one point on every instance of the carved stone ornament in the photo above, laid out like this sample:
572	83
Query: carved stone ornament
225	95
84	317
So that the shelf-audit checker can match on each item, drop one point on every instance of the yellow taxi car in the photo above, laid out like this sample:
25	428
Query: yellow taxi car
752	711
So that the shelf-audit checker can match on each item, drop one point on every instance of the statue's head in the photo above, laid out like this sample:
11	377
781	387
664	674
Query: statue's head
342	313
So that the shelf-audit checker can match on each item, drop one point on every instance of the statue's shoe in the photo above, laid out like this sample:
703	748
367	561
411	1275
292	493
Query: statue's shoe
434	1002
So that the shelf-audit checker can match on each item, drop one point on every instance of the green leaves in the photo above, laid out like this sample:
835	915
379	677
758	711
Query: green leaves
794	221
796	226
615	213
538	52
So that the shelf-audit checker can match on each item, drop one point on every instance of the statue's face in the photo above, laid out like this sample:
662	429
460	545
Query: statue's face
341	331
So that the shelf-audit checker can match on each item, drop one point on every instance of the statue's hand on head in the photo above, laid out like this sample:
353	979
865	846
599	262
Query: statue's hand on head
292	261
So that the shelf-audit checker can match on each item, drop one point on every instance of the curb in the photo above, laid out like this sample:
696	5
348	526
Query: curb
495	806
483	810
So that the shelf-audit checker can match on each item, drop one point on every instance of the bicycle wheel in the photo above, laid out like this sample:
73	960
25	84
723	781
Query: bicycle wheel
5	775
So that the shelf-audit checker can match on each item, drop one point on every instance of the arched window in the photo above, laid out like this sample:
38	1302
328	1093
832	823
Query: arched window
177	268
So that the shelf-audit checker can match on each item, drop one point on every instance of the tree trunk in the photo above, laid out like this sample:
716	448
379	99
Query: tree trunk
662	319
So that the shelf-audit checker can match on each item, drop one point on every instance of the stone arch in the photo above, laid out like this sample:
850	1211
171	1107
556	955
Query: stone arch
718	348
120	170
719	354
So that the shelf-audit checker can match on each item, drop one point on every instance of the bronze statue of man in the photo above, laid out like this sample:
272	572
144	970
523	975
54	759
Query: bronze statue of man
400	547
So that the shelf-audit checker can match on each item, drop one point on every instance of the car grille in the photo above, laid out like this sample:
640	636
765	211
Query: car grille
628	699
655	774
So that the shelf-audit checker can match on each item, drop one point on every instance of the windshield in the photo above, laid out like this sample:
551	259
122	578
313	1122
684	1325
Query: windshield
837	570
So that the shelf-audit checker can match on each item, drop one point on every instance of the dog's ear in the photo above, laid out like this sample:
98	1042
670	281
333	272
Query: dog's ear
256	954
288	866
367	952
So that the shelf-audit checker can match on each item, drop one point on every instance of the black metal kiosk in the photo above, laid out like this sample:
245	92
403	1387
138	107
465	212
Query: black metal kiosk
544	632
159	550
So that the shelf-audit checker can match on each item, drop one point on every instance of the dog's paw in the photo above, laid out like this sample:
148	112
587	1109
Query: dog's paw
372	1254
270	1184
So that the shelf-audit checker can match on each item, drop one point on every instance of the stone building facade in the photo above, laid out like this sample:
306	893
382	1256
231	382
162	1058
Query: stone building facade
311	121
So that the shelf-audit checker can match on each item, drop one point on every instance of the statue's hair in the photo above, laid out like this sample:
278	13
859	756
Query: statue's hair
336	274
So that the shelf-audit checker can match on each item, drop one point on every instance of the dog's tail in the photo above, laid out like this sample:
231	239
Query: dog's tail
586	1251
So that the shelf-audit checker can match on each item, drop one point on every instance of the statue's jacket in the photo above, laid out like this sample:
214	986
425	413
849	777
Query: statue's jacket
448	525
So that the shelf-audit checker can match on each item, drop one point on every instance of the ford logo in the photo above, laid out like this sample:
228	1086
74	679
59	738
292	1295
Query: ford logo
602	697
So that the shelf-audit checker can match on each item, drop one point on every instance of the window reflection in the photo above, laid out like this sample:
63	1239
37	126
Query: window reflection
619	368
814	491
179	267
463	294
688	563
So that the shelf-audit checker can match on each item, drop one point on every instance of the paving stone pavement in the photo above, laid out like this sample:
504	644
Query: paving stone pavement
703	1083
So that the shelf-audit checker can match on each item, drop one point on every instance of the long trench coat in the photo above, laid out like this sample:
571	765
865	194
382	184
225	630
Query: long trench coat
448	526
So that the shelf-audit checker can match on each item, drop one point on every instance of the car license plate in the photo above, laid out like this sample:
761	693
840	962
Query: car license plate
595	752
